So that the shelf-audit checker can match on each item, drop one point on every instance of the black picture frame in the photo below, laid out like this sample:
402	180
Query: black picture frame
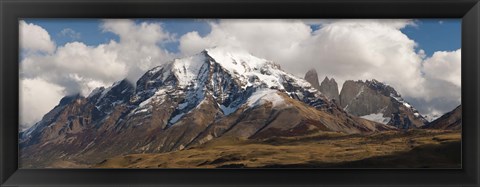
13	10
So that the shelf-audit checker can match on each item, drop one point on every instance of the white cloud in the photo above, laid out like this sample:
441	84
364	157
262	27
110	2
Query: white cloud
444	65
270	38
78	68
393	23
34	38
192	43
375	49
130	32
75	66
139	47
442	83
37	96
72	34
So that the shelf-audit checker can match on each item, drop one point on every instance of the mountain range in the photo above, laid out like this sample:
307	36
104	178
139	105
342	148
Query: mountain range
216	94
372	100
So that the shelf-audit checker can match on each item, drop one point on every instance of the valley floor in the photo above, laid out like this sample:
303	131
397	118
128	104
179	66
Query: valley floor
412	149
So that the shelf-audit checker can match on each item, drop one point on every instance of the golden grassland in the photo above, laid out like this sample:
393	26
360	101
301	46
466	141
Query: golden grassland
391	149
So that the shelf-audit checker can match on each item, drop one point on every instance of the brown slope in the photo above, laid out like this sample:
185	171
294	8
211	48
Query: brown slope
137	134
292	119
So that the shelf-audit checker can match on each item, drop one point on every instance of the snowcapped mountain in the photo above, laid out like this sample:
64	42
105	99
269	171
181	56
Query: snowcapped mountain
229	78
187	102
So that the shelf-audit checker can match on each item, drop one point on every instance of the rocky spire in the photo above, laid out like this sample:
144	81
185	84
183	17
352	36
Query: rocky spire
312	77
329	88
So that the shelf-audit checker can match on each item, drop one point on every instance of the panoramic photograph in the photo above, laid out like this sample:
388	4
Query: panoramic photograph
240	93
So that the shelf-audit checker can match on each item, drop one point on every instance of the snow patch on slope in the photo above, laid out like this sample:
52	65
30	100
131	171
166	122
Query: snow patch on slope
432	117
227	110
362	89
377	117
260	97
400	100
146	105
176	118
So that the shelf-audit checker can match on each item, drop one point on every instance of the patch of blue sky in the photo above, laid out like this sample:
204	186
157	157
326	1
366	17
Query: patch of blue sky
88	30
433	35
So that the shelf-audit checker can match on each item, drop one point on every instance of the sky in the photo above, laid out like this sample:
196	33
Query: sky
420	58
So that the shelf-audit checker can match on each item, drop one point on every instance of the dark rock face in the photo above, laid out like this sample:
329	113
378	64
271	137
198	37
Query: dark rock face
358	99
329	88
181	104
312	77
449	121
372	98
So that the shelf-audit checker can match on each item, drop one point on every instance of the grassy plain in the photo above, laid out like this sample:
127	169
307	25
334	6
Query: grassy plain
391	149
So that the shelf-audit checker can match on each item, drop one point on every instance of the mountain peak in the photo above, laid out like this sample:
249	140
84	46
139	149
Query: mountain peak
68	99
383	88
238	60
312	71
